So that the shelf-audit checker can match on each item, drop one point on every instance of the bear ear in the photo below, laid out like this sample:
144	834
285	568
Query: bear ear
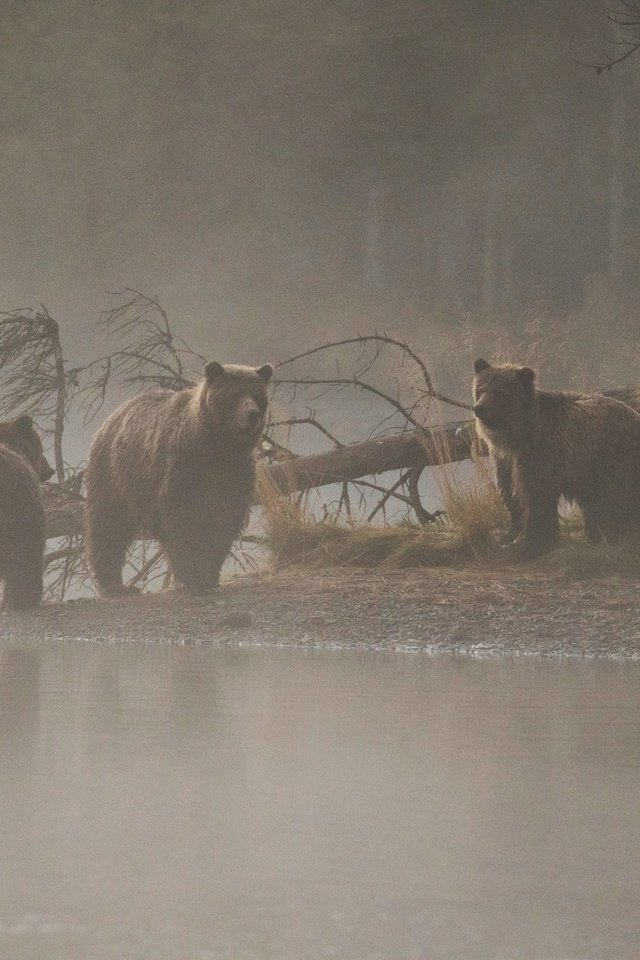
480	364
526	375
23	423
265	372
213	371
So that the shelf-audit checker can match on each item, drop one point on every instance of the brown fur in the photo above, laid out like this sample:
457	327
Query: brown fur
180	467
22	524
547	445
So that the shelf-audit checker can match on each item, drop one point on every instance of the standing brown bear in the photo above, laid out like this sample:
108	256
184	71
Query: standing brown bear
22	533
179	467
547	445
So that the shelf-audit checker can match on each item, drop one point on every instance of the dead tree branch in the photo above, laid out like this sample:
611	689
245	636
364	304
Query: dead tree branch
153	354
626	22
311	421
425	447
381	340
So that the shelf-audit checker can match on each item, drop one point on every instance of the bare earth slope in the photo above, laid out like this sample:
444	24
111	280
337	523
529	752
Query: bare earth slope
468	612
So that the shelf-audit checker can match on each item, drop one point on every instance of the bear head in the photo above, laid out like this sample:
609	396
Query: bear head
20	436
233	401
504	401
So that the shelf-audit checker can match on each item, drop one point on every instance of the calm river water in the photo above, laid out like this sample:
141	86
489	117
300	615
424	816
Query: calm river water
197	803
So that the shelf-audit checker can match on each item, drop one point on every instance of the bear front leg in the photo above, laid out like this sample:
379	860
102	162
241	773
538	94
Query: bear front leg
607	523
597	528
504	483
107	535
541	525
196	558
23	577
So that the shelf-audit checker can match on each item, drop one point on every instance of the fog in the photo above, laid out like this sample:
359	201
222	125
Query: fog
281	172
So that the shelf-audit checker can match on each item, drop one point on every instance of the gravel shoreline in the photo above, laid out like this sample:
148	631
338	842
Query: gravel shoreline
468	612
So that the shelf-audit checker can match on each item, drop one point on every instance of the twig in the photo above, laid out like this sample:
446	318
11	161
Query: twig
391	492
312	421
354	382
381	337
414	496
629	21
146	568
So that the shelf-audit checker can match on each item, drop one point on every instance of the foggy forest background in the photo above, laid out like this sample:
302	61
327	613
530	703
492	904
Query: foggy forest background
280	173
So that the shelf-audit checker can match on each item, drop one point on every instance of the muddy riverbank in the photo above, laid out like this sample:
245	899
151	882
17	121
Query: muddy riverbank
474	612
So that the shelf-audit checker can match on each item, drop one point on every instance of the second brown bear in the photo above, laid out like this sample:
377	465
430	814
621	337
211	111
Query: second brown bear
179	467
547	445
22	521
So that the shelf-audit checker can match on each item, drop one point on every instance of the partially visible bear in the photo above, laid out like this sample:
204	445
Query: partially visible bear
22	534
546	445
179	467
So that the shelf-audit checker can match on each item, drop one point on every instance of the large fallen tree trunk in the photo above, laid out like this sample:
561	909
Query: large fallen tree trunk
417	448
446	444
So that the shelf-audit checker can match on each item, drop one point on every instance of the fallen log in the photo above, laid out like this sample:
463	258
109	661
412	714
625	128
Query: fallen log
417	448
423	448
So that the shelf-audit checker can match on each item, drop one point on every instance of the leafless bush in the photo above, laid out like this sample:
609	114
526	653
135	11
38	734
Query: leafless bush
390	373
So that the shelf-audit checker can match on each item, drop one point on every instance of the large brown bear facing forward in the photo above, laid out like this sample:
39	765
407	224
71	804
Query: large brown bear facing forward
22	534
547	445
179	467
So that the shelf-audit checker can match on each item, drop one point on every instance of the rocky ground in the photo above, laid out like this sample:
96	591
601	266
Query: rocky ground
473	612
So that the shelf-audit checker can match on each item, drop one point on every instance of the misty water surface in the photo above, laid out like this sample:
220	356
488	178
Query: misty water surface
193	803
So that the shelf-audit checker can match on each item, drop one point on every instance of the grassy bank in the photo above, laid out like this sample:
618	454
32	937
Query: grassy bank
468	532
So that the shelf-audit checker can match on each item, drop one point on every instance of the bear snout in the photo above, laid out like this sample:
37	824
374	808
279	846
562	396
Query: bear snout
248	416
486	416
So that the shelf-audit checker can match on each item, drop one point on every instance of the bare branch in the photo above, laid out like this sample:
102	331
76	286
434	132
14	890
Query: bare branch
627	20
142	574
390	492
354	382
312	421
381	337
414	496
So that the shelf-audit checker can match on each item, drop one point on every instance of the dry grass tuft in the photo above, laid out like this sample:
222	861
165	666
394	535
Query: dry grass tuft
474	519
472	504
327	544
467	532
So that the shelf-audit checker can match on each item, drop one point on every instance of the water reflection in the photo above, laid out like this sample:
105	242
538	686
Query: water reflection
189	803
